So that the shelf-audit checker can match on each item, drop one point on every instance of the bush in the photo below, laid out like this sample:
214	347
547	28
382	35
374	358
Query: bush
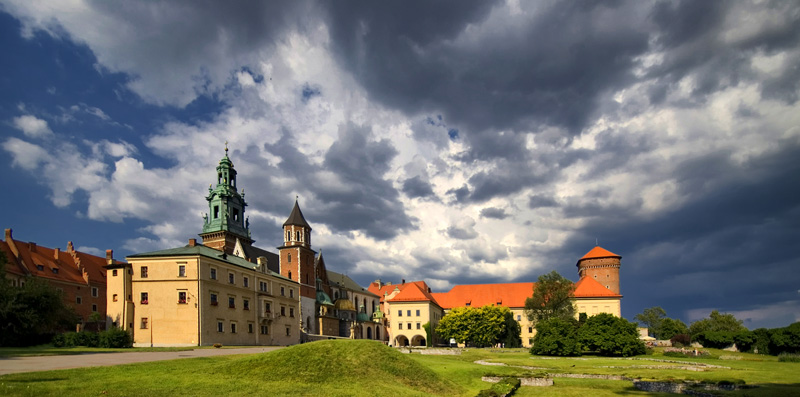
609	335
556	337
72	339
789	358
505	387
115	338
681	340
674	354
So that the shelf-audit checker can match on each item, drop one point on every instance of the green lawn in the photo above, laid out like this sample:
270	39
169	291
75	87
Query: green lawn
49	350
366	368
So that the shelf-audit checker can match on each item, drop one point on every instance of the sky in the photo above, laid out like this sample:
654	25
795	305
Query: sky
457	142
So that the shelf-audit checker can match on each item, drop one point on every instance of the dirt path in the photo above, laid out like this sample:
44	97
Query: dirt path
10	365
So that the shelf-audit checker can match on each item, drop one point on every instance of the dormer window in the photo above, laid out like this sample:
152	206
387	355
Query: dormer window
39	267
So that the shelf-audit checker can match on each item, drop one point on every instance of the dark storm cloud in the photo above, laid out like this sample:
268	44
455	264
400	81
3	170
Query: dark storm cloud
494	213
721	249
417	188
539	201
360	198
542	73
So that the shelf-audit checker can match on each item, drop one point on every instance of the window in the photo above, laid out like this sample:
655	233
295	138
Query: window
246	304
530	330
144	298
55	270
400	325
144	323
297	236
220	327
214	301
213	273
231	278
408	313
288	331
264	330
291	312
144	271
39	267
216	211
291	293
399	313
233	328
417	313
289	258
94	308
181	270
182	297
408	325
267	308
288	235
94	292
231	302
519	317
282	293
114	272
418	326
290	274
283	311
262	286
245	281
249	328
115	298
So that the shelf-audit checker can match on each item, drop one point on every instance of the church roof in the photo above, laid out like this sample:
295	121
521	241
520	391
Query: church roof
599	252
296	217
344	281
476	295
588	287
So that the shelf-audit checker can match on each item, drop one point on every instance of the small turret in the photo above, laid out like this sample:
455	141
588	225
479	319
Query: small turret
603	266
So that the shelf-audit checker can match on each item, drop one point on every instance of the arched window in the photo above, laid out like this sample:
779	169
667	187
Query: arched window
288	235
369	332
378	333
297	235
290	274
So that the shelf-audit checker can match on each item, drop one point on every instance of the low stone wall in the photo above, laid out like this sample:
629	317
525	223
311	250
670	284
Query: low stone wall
682	388
523	381
592	376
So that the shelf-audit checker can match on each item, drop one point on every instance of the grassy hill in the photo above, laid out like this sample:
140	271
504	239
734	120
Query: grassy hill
326	368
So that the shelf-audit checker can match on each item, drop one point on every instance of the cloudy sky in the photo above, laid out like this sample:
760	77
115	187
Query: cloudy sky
452	141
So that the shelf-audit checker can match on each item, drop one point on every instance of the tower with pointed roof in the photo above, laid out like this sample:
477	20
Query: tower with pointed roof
297	263
601	265
225	222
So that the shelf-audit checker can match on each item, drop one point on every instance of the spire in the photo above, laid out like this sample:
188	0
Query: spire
226	206
296	217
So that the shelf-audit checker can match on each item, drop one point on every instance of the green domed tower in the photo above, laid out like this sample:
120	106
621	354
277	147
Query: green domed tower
225	222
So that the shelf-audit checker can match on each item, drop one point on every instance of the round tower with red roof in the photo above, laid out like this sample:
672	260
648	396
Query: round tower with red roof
601	265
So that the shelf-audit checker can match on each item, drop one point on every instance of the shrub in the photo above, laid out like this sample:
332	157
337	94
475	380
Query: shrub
218	345
556	337
115	338
72	339
505	387
609	335
681	340
674	354
789	358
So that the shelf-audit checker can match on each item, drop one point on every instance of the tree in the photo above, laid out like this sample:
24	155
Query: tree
652	318
609	335
670	327
32	313
511	335
716	322
556	337
552	298
428	334
480	326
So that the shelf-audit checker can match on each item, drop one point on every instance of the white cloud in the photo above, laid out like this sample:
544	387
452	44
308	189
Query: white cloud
32	127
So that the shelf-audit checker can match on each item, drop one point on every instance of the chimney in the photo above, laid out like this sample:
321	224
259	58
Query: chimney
109	257
403	281
429	290
192	242
11	244
70	247
56	251
32	246
378	281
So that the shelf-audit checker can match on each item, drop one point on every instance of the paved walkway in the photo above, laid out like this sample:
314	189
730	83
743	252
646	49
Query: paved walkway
9	365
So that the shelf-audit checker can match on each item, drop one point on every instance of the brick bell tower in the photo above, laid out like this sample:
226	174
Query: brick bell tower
225	222
297	263
603	266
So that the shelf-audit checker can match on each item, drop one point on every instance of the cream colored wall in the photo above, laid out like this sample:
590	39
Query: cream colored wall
428	312
592	306
119	309
196	322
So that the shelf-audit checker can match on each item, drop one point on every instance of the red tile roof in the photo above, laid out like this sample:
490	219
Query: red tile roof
476	295
599	252
67	266
413	292
588	287
389	288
